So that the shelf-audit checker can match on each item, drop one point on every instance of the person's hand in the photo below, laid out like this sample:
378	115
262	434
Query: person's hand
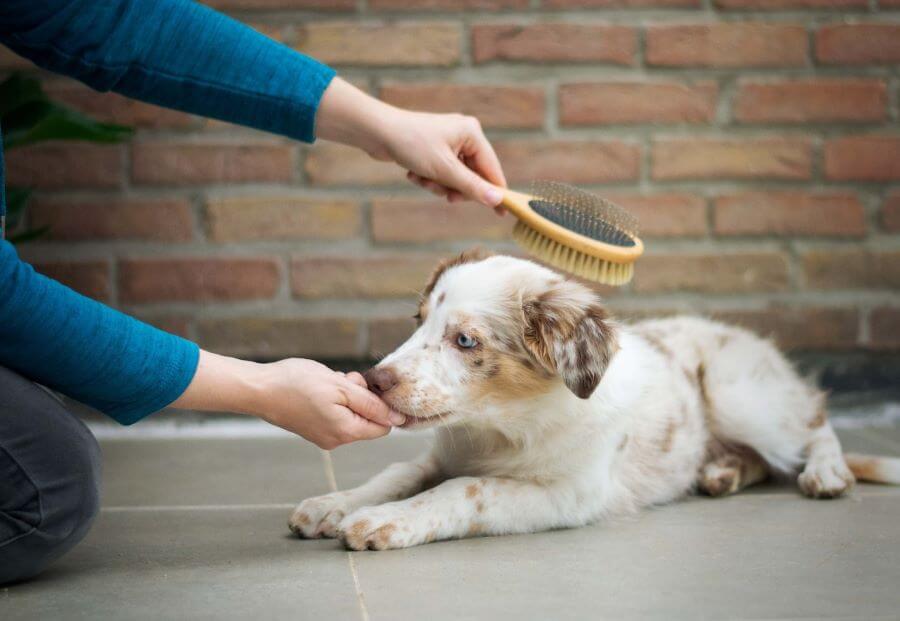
304	397
447	154
326	407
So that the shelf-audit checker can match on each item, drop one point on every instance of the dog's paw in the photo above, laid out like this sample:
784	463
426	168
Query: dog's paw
379	528
826	479
319	516
716	480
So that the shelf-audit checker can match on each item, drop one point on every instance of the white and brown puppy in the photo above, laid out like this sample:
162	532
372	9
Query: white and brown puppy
552	415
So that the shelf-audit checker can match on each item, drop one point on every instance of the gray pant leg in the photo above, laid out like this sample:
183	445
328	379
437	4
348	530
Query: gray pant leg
49	478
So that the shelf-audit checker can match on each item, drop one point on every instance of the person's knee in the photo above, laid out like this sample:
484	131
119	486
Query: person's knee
60	503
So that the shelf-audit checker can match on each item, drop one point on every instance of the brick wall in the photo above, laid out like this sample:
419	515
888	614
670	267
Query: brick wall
757	140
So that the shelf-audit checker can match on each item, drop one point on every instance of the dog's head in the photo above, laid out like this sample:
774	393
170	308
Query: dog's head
494	330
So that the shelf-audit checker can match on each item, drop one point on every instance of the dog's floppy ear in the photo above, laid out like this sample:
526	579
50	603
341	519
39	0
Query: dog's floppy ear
569	333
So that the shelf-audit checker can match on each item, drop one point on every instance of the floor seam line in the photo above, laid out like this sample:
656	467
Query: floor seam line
332	483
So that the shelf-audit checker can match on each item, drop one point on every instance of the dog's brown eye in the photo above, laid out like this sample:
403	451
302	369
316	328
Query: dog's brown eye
418	316
465	341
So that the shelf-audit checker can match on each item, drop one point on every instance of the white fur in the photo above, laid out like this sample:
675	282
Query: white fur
674	389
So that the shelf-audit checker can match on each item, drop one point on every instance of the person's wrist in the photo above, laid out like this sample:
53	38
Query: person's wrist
349	116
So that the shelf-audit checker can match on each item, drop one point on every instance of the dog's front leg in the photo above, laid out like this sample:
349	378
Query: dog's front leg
320	516
458	508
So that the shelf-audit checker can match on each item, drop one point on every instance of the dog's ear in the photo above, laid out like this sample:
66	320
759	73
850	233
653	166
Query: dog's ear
569	333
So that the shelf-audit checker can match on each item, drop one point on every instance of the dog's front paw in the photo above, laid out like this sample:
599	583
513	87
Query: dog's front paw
826	479
319	516
379	528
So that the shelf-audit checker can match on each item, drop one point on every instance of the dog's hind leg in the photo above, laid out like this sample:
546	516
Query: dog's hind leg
826	474
731	469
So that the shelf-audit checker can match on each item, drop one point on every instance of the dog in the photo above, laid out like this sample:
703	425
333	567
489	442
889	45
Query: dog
550	414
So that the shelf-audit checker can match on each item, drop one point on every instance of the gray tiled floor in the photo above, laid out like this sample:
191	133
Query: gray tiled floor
195	528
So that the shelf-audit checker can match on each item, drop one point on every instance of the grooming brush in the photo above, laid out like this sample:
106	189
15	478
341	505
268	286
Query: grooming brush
576	231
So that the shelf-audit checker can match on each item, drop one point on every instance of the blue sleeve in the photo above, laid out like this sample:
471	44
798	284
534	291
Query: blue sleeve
86	350
174	53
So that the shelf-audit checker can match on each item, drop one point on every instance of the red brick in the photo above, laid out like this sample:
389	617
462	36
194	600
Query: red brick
736	44
884	328
837	214
90	278
164	163
265	5
858	44
197	279
53	165
113	218
637	102
263	338
801	328
387	334
447	5
613	4
715	158
259	218
407	44
665	215
811	101
378	276
790	4
494	106
113	108
746	272
410	220
863	158
569	160
890	213
336	164
855	268
554	43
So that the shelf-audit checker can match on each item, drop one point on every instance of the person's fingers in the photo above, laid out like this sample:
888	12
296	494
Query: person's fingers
357	379
358	428
464	180
481	157
369	406
455	197
429	184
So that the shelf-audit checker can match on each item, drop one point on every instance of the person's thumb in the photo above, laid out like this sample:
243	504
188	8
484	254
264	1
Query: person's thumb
463	179
369	406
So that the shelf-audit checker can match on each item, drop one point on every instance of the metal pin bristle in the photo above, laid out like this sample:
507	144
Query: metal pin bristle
584	213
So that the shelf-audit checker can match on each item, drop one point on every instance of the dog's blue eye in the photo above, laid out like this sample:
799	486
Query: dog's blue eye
465	341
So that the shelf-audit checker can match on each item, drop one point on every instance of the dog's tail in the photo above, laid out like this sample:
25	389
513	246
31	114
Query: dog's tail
873	468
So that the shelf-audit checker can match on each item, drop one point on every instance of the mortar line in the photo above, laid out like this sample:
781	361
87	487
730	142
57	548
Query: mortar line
332	484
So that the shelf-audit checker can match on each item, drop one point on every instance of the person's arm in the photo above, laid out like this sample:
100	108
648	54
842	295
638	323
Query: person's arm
182	55
326	407
174	53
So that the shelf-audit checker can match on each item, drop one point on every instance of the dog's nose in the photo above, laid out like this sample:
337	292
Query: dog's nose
380	379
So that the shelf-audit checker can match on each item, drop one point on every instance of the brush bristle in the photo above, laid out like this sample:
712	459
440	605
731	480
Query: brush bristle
571	261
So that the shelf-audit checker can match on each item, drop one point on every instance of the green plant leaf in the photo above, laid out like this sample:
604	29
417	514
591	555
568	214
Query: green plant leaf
45	120
16	199
28	235
18	90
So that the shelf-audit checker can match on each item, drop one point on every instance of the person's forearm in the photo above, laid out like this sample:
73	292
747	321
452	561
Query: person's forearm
88	351
174	53
223	384
352	117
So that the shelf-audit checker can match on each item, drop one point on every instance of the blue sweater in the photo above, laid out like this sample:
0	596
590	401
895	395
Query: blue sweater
173	53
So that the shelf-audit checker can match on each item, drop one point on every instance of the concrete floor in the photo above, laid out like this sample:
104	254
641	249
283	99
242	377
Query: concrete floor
195	528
